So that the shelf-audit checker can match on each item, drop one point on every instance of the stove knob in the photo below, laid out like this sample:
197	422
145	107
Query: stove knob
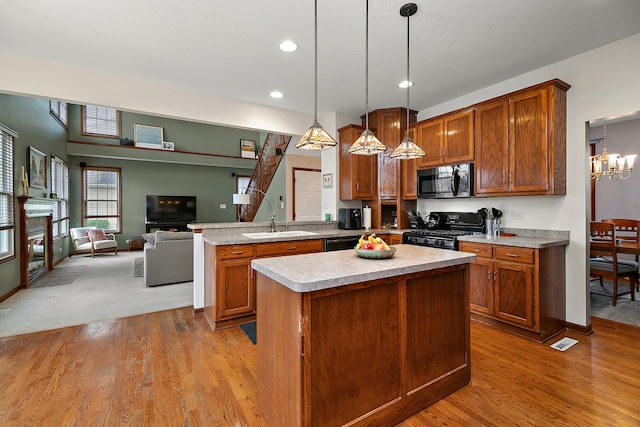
441	242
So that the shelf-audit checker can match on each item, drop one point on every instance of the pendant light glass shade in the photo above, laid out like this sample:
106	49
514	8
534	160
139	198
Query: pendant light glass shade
408	149
367	144
316	138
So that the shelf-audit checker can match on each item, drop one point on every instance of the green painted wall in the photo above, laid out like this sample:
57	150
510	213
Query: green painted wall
37	128
212	185
187	136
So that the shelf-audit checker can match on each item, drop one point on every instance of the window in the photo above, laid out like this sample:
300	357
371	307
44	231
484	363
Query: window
7	218
100	121
59	111
101	193
60	186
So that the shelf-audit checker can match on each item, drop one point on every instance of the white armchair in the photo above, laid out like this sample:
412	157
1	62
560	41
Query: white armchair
83	242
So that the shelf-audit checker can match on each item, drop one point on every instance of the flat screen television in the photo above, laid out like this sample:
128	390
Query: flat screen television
171	209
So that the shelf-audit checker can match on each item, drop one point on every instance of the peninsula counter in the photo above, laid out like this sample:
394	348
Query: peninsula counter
345	340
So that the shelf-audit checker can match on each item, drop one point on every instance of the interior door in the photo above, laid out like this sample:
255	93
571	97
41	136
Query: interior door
307	195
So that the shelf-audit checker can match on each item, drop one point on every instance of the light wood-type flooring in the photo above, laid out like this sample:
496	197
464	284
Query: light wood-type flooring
169	369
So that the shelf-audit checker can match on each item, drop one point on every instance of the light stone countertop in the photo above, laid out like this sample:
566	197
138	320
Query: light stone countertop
233	235
325	270
517	240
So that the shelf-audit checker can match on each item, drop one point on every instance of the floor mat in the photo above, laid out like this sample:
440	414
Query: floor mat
250	331
138	269
59	276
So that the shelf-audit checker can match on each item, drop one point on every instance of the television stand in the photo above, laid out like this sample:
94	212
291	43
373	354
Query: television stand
152	227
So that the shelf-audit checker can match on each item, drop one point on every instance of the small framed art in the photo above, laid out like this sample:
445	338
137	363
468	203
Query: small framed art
148	136
327	180
247	149
37	168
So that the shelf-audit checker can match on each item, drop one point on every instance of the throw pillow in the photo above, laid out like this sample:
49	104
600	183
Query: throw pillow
97	235
149	238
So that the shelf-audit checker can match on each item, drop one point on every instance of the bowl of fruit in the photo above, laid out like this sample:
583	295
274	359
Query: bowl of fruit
373	247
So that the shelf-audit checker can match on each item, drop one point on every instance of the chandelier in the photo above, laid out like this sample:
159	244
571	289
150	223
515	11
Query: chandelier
611	165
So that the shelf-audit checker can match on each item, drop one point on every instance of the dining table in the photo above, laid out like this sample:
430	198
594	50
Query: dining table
628	247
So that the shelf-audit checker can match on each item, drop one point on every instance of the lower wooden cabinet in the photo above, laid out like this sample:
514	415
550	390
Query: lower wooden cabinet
230	284
518	289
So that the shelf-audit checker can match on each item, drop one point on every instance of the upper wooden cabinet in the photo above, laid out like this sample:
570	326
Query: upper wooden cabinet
390	127
358	174
521	142
446	140
409	170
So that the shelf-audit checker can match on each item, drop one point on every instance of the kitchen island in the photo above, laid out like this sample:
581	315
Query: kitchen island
346	340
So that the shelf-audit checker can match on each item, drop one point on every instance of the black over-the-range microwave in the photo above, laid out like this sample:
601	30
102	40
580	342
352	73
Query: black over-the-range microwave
445	182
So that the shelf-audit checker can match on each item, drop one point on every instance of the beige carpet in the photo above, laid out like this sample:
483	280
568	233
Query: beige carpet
105	289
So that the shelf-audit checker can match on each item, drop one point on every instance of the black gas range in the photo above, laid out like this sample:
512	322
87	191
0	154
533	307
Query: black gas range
442	229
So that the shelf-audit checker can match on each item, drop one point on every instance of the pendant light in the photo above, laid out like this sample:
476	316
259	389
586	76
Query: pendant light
316	138
367	144
408	149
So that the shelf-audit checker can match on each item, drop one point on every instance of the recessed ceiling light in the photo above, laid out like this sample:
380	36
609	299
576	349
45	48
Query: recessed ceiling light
277	94
405	84
288	46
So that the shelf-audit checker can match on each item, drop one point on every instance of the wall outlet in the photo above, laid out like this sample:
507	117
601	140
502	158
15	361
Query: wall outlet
223	206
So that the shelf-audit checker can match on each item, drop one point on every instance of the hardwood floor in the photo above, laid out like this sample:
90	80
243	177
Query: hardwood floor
169	368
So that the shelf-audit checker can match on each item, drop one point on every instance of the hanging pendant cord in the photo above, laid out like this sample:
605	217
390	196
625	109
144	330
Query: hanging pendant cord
408	81
366	69
315	88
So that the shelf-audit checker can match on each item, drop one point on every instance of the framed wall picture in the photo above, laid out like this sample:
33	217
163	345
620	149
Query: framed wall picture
148	136
37	161
166	145
247	149
327	180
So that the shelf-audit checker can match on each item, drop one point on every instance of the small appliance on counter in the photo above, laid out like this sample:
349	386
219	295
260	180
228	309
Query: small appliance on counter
349	219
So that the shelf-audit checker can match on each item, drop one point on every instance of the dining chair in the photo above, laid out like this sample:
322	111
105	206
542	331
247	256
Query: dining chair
604	261
629	230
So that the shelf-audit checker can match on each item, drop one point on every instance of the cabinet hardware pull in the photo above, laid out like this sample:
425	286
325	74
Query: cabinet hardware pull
236	252
494	275
489	275
513	255
291	248
475	250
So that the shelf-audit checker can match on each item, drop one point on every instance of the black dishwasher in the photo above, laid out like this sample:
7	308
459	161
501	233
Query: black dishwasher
340	243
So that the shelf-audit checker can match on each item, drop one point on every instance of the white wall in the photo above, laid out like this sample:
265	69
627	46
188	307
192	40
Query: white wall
605	82
619	199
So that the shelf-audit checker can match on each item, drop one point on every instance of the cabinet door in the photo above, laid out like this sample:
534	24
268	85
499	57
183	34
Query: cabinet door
513	293
491	160
429	138
358	174
236	288
409	175
528	142
458	138
386	129
481	286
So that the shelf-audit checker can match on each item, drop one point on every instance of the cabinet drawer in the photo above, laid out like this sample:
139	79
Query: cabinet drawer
291	247
235	251
481	250
512	253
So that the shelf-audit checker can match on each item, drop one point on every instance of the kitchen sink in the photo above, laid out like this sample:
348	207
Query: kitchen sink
276	234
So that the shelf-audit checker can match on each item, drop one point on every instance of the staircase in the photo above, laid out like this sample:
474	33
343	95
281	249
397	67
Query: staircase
269	159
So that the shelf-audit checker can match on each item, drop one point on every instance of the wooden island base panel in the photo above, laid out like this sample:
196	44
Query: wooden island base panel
374	343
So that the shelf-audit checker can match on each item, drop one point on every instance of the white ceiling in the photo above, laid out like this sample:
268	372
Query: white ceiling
229	48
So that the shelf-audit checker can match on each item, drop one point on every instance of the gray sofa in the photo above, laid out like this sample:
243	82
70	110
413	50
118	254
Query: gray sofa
168	258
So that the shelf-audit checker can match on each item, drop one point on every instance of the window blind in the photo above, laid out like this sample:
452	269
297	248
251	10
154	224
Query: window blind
60	186
101	121
59	111
101	198
7	216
